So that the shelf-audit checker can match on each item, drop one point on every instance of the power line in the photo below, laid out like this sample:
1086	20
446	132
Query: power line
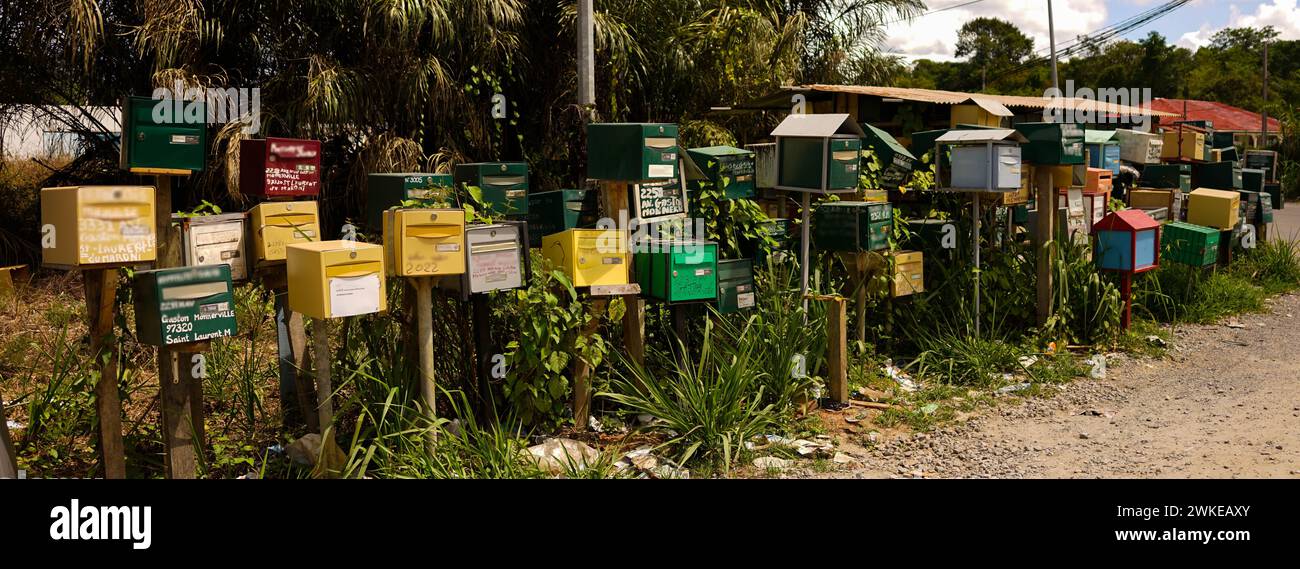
1103	35
935	11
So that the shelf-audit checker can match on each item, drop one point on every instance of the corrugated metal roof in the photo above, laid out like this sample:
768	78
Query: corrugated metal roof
1092	136
992	107
1225	117
982	135
818	125
955	98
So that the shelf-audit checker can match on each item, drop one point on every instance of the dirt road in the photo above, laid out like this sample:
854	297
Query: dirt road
1225	403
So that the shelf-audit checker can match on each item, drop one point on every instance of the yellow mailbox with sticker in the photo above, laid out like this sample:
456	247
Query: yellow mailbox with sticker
334	279
425	242
275	225
88	226
590	256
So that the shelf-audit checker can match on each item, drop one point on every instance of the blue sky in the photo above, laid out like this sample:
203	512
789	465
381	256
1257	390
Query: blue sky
935	35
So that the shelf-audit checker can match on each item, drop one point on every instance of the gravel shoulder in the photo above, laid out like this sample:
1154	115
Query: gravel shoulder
1224	403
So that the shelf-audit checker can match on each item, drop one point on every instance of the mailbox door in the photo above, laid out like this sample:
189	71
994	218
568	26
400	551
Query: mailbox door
659	151
216	244
195	304
281	224
292	167
735	285
495	258
842	167
599	257
433	242
115	225
177	145
354	281
506	193
693	275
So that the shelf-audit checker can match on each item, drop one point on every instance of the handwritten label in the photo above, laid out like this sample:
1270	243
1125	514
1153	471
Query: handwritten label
657	201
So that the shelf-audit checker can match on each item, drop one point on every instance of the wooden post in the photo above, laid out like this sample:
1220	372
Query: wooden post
1044	233
616	200
320	335
101	296
582	370
1126	282
296	391
178	430
837	348
424	319
8	456
682	329
975	252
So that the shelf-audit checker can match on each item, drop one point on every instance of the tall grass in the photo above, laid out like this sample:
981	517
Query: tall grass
707	408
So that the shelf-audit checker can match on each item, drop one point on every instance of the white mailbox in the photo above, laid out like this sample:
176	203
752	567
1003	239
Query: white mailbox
214	240
495	257
984	159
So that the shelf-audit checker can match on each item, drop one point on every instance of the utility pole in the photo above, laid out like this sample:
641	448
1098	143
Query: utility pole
586	54
1263	123
1045	202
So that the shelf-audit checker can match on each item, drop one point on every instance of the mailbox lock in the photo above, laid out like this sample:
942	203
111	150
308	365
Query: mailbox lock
288	207
674	273
352	255
503	167
493	233
433	217
117	194
661	130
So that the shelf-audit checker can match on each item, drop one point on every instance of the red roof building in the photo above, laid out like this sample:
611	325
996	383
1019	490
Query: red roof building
1225	118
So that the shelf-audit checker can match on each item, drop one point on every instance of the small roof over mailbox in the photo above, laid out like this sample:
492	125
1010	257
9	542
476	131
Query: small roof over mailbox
991	107
1126	220
1098	136
818	126
981	136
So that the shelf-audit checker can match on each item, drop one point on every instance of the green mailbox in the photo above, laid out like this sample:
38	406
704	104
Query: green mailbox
818	153
735	285
504	185
923	142
631	152
1190	244
1274	191
555	211
678	271
184	305
934	236
896	163
174	138
1052	143
1166	176
779	230
386	190
852	226
1216	175
1265	209
1252	180
727	167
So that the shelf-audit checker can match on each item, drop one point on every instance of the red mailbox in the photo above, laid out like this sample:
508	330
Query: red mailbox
279	167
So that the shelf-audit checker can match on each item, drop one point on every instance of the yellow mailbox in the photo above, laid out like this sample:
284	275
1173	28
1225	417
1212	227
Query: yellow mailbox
1213	208
590	256
85	226
424	242
275	225
333	279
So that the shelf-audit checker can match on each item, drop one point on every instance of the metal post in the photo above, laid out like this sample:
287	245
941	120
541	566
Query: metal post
1051	41
586	54
803	252
1263	122
975	246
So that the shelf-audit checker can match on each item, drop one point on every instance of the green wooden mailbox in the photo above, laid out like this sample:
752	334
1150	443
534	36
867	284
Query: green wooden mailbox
184	305
896	163
170	139
1265	209
935	236
852	226
818	153
1189	244
1052	143
631	152
678	271
1252	179
1216	175
1256	207
504	185
923	142
779	230
385	190
727	167
555	211
735	285
1274	191
1166	176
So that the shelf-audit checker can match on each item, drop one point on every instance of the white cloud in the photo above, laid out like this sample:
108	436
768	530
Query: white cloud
935	36
1283	15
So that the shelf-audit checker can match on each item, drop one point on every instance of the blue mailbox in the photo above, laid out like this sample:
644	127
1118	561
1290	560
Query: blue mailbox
1103	149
